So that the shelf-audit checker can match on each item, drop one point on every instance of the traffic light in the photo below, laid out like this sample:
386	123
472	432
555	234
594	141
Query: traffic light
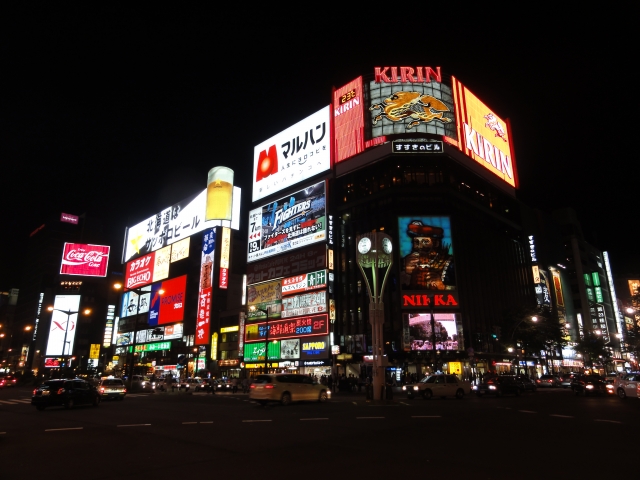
496	333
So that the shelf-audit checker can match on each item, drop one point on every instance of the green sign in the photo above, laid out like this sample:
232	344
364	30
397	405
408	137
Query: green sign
152	347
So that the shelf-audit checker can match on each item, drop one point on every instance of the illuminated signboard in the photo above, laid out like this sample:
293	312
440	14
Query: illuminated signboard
94	350
85	260
108	329
290	349
482	135
293	155
444	329
255	351
134	304
205	287
543	296
288	223
313	348
287	264
62	331
68	218
147	269
305	304
426	253
176	223
304	282
214	346
167	307
348	120
52	362
410	103
151	347
557	286
229	329
180	250
264	296
418	145
297	327
224	258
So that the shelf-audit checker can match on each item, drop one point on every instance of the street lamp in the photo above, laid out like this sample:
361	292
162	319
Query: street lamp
533	319
68	313
266	312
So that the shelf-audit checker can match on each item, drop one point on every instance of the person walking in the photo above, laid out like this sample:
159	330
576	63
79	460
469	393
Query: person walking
234	385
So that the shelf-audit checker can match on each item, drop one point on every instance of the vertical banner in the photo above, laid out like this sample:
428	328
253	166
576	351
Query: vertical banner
224	257
204	294
64	319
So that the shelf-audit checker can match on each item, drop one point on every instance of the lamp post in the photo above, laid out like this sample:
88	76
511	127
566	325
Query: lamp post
68	313
253	308
374	259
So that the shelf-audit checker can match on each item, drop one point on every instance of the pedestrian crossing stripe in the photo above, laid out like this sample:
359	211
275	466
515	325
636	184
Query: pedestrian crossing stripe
8	402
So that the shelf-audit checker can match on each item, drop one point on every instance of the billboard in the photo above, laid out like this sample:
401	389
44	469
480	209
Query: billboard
68	218
426	253
180	249
293	155
288	223
62	331
84	259
304	282
483	135
410	105
264	296
444	330
297	327
205	287
313	348
225	248
168	306
305	304
147	269
134	304
292	263
175	223
348	120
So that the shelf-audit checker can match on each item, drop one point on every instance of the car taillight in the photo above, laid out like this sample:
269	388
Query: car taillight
252	386
60	391
269	386
35	391
125	390
101	389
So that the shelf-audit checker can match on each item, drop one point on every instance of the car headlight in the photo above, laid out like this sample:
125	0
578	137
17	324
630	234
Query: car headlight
404	387
474	387
589	387
415	387
492	387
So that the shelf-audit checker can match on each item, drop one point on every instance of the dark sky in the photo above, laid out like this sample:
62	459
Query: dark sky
121	112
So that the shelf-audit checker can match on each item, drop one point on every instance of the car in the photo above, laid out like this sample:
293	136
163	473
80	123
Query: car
589	384
528	384
65	392
192	384
112	388
438	385
499	386
167	383
548	381
566	379
628	385
223	386
142	383
8	381
286	388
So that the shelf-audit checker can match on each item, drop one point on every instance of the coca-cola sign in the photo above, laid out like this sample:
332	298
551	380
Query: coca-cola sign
85	260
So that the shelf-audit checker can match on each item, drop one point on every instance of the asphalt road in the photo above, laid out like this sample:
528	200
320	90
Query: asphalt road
550	433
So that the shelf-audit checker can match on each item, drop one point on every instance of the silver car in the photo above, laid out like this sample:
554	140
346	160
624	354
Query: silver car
628	386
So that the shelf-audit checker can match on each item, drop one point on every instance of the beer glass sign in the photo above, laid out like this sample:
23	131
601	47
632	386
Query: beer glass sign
219	194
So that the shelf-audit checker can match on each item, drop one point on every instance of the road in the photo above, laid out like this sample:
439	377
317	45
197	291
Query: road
550	432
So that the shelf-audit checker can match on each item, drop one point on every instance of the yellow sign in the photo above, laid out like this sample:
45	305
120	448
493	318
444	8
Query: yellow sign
180	250
266	292
455	368
214	346
260	365
229	329
94	351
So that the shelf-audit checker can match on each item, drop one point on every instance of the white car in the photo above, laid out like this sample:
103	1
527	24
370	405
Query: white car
628	386
439	385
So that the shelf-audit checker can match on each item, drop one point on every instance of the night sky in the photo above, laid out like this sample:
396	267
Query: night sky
119	113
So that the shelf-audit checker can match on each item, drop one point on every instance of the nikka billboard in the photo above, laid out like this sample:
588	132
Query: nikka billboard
85	260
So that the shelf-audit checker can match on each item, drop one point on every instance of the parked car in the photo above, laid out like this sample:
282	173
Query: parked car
438	385
528	384
286	388
500	385
112	387
548	381
65	392
589	384
8	381
628	385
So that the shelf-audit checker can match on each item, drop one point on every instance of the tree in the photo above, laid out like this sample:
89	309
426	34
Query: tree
545	334
593	348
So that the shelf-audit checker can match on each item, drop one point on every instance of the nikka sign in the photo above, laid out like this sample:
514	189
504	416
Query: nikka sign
85	260
435	300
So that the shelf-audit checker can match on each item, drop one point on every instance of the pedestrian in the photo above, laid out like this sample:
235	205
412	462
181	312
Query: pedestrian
245	385
234	385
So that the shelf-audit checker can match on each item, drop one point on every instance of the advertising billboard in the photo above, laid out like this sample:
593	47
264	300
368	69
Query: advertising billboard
290	349
287	264
318	347
426	253
134	304
175	223
288	223
264	296
85	260
411	105
305	304
225	248
348	120
68	218
205	287
297	327
180	250
168	306
62	331
147	269
444	330
304	282
293	155
483	135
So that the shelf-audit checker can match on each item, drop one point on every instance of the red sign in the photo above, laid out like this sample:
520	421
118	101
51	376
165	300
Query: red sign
139	272
348	120
204	316
85	260
407	75
68	218
51	362
295	327
168	306
267	163
435	300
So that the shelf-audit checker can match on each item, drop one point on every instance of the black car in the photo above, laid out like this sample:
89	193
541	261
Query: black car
65	392
589	384
528	384
501	385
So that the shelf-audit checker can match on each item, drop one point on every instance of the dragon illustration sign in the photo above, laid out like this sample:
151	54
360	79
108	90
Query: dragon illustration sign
420	108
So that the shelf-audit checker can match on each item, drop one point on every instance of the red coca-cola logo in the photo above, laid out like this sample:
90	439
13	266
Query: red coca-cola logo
83	259
82	256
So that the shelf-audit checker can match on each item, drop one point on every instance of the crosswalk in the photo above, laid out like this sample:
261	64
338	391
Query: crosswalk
18	401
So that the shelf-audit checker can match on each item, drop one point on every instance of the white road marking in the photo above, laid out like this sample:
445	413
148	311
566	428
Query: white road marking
368	418
426	416
404	403
136	425
8	402
189	423
3	433
608	421
527	411
206	422
305	419
355	403
62	429
23	401
251	421
561	416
